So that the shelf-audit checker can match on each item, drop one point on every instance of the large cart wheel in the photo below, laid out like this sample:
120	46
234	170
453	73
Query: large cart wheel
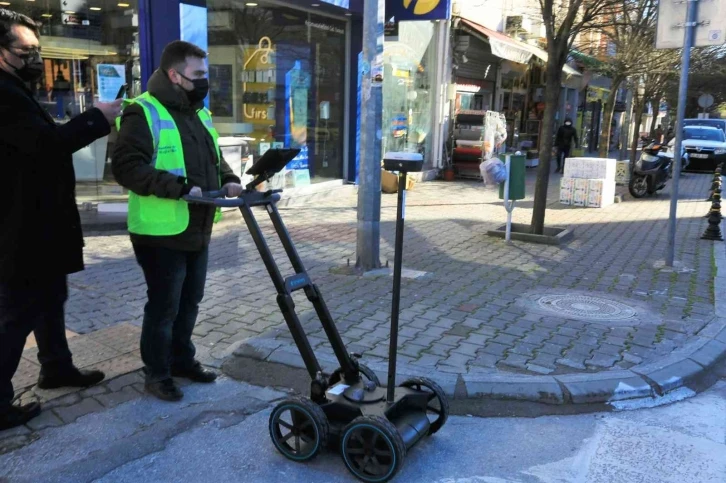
372	448
299	428
365	371
437	408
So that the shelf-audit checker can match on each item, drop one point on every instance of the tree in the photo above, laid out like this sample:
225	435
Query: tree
563	21
631	30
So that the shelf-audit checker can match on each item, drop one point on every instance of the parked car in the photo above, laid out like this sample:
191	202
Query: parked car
717	123
705	147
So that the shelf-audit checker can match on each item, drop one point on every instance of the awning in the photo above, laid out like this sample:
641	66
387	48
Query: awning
502	46
511	49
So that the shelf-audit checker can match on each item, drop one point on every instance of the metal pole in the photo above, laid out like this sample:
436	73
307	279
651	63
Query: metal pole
508	233
396	300
625	136
691	16
369	191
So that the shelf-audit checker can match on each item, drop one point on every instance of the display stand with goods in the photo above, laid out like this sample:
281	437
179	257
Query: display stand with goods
588	182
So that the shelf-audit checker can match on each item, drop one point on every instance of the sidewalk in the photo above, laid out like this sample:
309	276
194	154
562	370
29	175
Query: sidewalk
482	318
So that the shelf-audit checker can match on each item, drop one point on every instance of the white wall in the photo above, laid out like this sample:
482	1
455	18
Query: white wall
492	13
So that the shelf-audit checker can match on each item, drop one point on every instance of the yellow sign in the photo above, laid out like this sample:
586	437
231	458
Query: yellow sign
422	7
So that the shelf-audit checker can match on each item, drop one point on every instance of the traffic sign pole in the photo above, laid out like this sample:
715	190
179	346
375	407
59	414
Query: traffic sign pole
689	28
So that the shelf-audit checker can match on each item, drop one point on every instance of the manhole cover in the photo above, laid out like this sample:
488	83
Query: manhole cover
586	307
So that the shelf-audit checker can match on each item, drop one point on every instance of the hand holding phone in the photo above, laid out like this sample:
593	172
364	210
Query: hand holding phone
122	91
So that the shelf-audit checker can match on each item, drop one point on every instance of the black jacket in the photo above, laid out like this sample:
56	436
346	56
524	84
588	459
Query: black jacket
565	137
40	230
132	164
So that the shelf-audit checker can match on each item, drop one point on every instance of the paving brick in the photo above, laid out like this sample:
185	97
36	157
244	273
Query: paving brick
113	399
524	349
545	360
599	360
516	361
47	419
495	349
68	414
552	349
505	339
123	381
485	360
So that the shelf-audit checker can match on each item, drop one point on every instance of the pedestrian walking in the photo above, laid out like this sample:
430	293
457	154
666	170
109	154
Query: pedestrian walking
566	135
41	241
168	148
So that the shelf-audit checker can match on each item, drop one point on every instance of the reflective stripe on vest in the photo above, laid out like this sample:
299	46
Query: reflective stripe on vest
150	215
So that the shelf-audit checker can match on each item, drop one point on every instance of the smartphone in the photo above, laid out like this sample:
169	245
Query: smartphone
122	91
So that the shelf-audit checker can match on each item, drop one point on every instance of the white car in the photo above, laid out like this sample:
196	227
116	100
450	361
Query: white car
705	147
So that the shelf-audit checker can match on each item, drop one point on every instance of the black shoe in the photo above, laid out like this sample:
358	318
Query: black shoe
166	390
196	373
71	378
18	415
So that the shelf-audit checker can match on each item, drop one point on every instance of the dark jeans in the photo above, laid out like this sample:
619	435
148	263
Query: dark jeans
32	306
175	287
563	152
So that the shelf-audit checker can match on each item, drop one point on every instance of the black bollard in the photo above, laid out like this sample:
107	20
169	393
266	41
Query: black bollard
713	232
715	184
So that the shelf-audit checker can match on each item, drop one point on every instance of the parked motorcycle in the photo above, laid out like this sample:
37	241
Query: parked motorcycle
653	169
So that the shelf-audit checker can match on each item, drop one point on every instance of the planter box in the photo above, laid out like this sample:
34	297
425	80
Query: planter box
521	232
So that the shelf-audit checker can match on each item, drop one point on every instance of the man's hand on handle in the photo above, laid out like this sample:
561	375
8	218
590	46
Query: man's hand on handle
110	110
196	191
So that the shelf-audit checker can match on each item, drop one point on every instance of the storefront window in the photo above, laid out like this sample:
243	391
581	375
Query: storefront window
277	81
90	49
408	93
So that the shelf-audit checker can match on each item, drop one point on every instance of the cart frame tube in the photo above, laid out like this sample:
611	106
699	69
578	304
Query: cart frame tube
397	267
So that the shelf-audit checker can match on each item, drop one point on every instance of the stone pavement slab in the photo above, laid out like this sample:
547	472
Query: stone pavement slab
477	306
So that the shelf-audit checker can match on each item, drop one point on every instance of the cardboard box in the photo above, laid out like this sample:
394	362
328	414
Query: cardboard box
579	197
567	189
590	168
389	182
601	193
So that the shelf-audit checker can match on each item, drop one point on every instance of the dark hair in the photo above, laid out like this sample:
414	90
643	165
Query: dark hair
176	53
8	19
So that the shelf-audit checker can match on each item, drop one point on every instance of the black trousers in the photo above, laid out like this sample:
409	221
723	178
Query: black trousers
563	152
32	306
175	286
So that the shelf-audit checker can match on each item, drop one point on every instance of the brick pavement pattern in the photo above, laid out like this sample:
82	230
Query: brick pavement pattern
465	315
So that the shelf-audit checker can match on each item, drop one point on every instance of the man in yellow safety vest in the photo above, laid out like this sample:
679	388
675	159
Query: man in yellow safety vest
168	148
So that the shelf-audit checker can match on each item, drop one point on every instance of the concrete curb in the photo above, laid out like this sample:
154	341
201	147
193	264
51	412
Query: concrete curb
653	379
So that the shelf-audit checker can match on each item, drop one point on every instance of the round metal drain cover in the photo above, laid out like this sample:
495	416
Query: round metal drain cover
585	307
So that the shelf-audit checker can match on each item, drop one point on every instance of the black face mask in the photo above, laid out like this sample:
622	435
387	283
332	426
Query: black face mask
200	91
32	68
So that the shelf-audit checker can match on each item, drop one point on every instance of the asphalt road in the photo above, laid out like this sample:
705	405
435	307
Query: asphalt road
219	434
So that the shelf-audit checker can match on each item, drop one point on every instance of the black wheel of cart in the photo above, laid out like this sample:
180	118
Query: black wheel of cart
372	449
365	371
299	429
437	408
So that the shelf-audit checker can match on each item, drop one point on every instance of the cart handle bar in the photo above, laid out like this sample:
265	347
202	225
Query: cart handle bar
219	198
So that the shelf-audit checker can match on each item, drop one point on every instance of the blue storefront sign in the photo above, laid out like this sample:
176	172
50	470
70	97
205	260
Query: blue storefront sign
407	10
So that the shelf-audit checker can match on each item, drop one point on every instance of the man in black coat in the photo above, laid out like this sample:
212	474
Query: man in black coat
566	135
41	241
175	266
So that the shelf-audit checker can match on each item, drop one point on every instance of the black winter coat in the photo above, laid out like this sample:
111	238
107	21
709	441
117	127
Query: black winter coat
132	164
40	228
565	137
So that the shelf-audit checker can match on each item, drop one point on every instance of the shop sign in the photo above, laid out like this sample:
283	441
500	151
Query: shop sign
390	30
407	10
72	19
